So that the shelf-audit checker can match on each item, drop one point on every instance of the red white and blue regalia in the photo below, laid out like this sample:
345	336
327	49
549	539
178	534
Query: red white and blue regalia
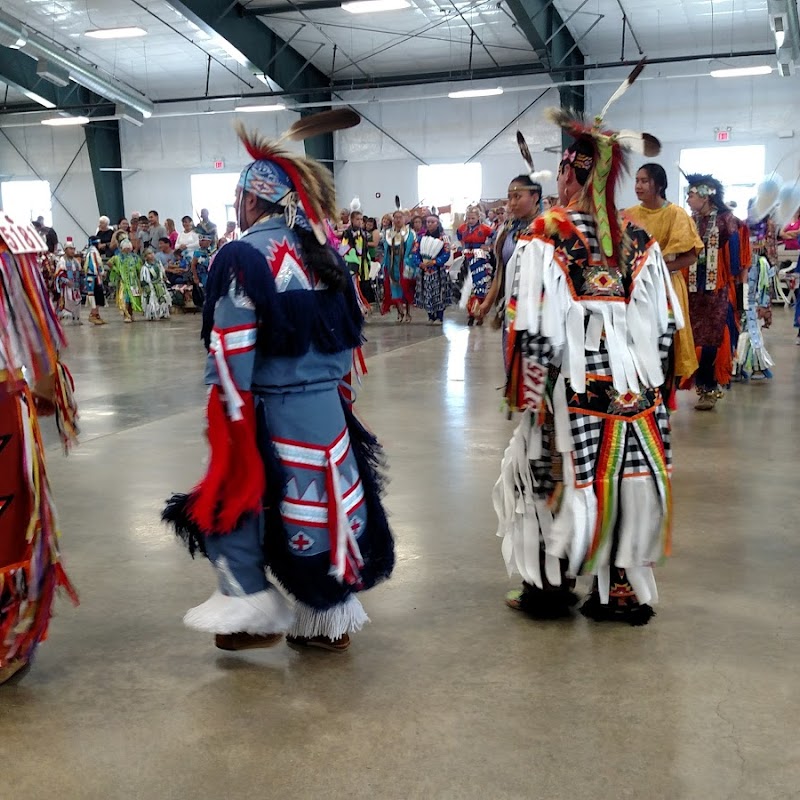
475	276
292	485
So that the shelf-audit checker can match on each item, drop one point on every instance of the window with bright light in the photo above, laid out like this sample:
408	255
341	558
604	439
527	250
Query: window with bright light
25	201
739	168
456	185
215	191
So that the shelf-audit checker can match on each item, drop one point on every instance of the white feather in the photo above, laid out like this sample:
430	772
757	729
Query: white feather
766	198
355	204
633	140
541	176
788	204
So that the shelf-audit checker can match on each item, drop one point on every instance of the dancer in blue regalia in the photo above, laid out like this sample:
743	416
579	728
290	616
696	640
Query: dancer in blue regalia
293	483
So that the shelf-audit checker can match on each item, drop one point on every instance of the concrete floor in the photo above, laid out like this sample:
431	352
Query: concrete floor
448	694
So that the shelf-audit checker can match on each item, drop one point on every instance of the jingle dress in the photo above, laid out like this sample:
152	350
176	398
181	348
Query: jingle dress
156	299
434	290
399	276
752	356
475	276
30	338
125	269
292	484
68	282
585	482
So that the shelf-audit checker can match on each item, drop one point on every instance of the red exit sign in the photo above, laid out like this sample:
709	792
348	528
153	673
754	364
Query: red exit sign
219	164
723	136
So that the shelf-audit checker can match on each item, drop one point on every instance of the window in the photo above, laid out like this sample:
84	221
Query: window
215	191
456	185
738	168
24	201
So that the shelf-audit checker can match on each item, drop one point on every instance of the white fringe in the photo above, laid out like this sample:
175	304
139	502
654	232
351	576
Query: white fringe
259	613
347	617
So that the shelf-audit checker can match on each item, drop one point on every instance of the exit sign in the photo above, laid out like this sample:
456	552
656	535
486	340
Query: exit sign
219	164
723	136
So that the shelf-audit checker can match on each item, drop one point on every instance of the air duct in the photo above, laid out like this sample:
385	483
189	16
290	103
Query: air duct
38	47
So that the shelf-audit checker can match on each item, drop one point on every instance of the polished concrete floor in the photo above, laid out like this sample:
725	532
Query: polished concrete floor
447	694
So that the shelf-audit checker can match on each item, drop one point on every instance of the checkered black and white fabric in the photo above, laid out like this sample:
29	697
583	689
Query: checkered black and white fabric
586	431
586	225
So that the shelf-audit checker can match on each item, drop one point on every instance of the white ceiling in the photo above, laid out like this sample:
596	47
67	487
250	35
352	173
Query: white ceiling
672	28
162	64
431	36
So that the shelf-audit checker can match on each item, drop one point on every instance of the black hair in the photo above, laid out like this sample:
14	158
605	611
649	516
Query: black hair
528	183
583	160
185	217
163	239
151	211
658	175
119	221
439	229
322	259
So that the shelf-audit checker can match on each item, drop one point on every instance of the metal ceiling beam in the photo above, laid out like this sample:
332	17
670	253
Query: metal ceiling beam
269	11
267	53
255	41
553	43
102	138
19	72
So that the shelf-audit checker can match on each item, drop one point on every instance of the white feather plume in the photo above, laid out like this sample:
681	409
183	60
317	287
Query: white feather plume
541	176
788	204
766	198
355	204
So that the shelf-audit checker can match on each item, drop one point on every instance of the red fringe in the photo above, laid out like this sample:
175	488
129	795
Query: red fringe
723	364
234	483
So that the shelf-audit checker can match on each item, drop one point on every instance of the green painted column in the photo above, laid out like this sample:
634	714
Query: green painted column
102	142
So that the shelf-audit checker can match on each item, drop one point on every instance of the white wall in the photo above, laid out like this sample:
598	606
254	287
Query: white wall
168	151
438	130
50	152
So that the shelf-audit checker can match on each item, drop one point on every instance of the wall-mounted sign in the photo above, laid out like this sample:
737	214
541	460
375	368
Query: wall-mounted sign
723	134
20	238
220	164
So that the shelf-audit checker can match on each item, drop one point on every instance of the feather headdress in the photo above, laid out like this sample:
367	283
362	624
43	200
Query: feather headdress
609	160
299	183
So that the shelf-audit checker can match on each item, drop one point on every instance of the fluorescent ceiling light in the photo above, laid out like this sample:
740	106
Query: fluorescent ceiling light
58	121
780	38
741	72
256	108
37	98
476	93
116	33
371	6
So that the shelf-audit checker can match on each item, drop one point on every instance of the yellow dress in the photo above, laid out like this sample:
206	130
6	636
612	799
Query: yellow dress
675	232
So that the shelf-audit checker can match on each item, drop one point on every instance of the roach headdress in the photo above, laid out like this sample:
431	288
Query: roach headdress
600	156
303	187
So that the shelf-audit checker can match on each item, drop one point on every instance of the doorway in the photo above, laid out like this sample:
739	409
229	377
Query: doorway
739	168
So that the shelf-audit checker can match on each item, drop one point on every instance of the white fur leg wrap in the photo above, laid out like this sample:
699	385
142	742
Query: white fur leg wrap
347	617
259	613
